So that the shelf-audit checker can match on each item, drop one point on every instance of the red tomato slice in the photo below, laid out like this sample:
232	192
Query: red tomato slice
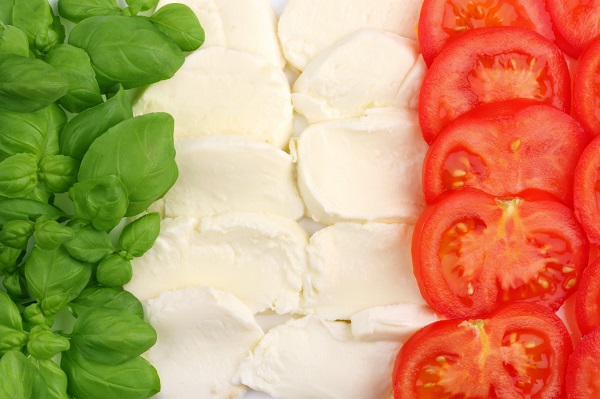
489	65
586	88
587	305
575	23
519	352
504	149
442	20
473	252
586	191
583	380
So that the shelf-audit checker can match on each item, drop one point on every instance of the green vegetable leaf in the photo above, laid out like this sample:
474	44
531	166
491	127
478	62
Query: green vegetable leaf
50	234
34	17
90	245
139	236
126	50
16	233
81	131
6	11
26	209
8	259
15	286
112	298
59	28
114	271
13	41
22	132
33	316
57	173
56	379
54	278
141	5
78	10
45	344
141	152
18	175
102	201
20	379
180	24
12	336
75	64
28	85
57	119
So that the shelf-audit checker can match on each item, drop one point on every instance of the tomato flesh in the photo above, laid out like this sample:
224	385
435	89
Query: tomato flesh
587	305
586	191
586	88
575	23
490	65
582	371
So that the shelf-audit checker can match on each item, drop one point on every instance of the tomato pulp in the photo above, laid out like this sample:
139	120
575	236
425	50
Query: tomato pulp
586	191
587	306
586	88
582	371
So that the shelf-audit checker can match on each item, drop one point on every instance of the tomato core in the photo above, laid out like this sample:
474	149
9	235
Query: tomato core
463	168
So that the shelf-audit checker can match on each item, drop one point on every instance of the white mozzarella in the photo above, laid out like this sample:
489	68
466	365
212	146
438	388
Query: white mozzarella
352	267
202	335
259	258
363	169
408	94
219	91
219	174
364	70
310	358
308	27
248	25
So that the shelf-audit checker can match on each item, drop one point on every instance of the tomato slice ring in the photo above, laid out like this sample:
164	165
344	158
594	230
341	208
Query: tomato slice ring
504	149
582	370
586	88
587	305
518	352
586	191
473	252
575	23
489	65
443	20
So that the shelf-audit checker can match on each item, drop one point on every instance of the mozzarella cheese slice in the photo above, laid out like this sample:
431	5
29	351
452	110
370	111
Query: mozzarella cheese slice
310	358
222	91
248	25
394	322
259	258
364	169
202	335
364	70
308	27
408	93
219	174
352	267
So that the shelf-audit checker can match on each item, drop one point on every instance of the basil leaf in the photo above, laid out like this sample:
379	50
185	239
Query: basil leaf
112	298
103	202
139	236
28	85
32	17
18	175
50	234
45	344
114	271
22	132
55	378
179	23
16	233
132	379
90	245
57	173
26	209
141	5
78	10
59	28
81	131
75	64
6	11
54	278
140	151
126	50
15	286
33	316
12	336
57	119
20	379
9	257
13	41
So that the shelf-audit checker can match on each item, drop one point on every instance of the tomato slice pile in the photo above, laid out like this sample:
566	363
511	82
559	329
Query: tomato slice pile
583	368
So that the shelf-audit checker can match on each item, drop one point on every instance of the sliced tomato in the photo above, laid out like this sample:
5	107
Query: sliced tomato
575	23
586	191
520	351
473	252
442	20
586	88
583	378
587	305
490	65
506	148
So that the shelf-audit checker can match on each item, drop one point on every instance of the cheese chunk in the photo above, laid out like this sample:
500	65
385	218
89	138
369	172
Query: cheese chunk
395	322
312	358
222	91
202	335
308	27
259	258
408	94
364	70
219	174
248	25
352	267
364	169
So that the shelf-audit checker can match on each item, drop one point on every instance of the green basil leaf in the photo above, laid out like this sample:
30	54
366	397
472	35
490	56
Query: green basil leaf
22	132
39	195
180	24
28	85
45	344
111	336
20	379
54	278
139	236
112	298
81	131
6	11
15	286
90	245
18	175
103	201
57	173
57	119
12	336
50	234
46	40
140	151
132	379
78	10
126	50
33	17
33	316
59	28
15	234
55	378
137	6
26	209
114	271
13	41
9	257
76	66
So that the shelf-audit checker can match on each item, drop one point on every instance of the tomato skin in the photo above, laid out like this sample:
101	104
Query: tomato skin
582	371
575	23
490	65
587	305
437	25
586	87
473	253
480	354
586	191
509	147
